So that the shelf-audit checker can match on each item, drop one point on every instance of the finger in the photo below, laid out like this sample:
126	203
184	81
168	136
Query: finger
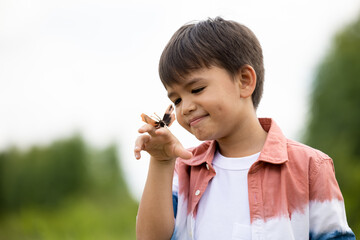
163	132
140	145
137	152
147	128
181	152
178	149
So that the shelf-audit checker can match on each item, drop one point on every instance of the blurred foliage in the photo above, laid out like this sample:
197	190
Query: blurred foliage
67	190
333	126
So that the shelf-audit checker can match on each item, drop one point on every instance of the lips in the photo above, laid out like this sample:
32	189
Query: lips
194	121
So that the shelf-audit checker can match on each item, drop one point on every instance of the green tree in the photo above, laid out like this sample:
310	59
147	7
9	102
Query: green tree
334	118
42	175
64	190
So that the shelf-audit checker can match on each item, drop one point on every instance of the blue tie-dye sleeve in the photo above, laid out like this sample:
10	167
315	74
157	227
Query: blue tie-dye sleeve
175	199
175	202
336	235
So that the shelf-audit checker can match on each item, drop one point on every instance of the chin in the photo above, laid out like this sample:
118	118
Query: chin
199	136
203	136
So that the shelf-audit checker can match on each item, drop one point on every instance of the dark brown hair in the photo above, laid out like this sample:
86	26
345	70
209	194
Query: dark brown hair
213	42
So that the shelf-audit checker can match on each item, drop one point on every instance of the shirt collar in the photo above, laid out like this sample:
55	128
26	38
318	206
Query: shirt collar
203	153
274	150
275	147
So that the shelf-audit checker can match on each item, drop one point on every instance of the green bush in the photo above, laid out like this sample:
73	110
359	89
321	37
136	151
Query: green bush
335	114
42	175
66	190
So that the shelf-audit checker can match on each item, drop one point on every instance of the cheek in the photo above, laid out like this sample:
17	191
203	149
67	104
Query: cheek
220	108
181	121
183	124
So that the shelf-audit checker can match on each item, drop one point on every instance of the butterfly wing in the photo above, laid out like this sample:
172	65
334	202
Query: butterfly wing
169	116
149	120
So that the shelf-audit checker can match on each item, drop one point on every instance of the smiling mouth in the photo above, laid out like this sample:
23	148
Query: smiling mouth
196	120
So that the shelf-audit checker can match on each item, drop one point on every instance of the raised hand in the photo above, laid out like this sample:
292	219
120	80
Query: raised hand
160	143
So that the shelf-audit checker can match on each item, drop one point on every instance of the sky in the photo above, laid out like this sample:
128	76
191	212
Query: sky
90	67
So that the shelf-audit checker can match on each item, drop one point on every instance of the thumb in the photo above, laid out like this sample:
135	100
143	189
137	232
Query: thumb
181	152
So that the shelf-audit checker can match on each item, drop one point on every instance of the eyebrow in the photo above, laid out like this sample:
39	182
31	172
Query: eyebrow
189	83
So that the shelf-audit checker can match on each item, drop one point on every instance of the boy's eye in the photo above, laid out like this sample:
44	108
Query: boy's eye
177	101
197	90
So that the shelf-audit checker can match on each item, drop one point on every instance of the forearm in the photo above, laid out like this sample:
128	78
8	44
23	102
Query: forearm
155	218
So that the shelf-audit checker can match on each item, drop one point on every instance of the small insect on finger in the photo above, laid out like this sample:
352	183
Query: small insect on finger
166	121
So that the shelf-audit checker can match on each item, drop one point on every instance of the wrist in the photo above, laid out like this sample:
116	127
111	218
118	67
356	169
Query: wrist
162	161
161	170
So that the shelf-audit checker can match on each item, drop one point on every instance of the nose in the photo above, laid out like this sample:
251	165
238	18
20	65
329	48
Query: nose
187	106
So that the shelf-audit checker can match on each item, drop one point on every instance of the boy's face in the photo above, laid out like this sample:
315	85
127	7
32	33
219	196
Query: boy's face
208	103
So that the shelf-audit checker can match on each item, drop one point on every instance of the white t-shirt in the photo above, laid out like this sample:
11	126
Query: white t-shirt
223	211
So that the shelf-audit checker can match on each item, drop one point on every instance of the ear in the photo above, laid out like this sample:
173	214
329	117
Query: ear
247	81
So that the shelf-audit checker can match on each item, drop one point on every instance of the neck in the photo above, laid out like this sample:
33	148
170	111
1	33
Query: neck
248	140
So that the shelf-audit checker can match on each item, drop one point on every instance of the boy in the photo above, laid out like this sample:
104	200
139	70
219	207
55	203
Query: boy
246	181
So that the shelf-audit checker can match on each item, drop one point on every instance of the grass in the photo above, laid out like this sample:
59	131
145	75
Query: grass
74	219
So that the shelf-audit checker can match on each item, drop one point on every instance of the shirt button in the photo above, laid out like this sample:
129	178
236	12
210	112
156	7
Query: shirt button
197	192
207	166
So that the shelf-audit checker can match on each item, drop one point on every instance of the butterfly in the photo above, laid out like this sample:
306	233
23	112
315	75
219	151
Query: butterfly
167	120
